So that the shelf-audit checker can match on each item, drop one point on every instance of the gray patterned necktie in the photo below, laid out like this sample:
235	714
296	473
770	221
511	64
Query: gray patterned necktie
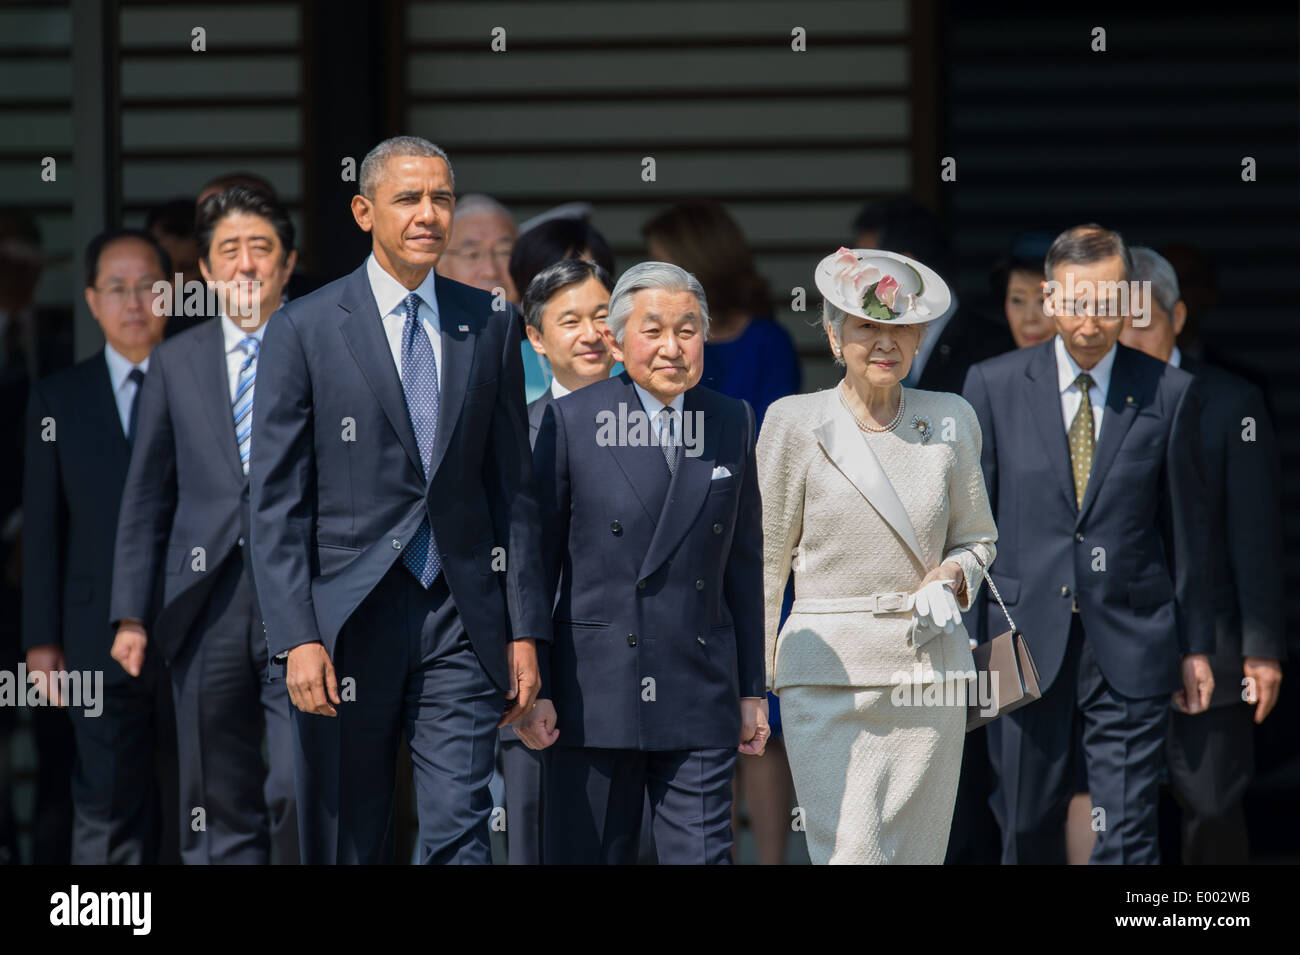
668	437
420	385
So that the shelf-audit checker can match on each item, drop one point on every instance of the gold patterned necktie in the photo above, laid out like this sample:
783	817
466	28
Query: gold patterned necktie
1082	439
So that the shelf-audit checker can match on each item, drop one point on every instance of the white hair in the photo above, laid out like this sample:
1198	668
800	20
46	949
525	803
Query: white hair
1150	266
372	167
477	204
652	275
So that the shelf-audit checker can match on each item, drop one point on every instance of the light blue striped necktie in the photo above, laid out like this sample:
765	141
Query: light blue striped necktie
243	403
420	385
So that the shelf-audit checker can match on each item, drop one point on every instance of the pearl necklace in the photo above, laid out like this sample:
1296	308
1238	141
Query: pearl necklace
862	426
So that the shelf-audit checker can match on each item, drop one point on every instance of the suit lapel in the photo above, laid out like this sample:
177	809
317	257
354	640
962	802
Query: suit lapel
1121	409
459	333
1043	399
207	360
641	463
843	442
104	413
687	489
363	329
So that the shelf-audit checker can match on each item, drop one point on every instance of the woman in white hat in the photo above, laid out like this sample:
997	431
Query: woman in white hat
873	495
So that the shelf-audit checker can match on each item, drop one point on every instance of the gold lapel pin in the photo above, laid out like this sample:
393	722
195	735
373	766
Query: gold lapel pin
1129	399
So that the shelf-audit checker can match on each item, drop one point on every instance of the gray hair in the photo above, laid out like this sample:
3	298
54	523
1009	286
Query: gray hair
476	204
1150	266
372	166
652	275
833	322
1085	244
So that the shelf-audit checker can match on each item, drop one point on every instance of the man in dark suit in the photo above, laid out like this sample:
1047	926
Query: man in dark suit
80	425
954	342
391	446
184	515
565	307
1092	464
651	526
1212	756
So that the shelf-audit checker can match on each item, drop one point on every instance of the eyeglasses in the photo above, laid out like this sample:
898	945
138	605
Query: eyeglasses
120	294
499	255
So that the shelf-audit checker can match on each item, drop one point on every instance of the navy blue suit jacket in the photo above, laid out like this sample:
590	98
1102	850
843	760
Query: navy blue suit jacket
658	580
185	488
71	489
1145	508
337	483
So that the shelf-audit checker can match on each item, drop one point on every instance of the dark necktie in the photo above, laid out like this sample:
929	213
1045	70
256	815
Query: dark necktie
420	383
137	376
668	438
1082	439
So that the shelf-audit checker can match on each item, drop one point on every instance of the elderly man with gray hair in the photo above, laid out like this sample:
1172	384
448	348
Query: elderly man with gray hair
1211	755
650	528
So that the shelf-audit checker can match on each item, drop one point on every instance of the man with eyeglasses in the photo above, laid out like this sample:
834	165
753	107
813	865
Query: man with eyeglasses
482	238
80	429
1092	460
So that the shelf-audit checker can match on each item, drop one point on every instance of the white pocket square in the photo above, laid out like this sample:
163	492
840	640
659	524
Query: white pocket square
720	472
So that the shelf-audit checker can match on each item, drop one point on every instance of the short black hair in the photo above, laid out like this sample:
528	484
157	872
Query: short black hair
1027	252
552	241
1087	243
908	228
175	217
555	277
95	250
242	199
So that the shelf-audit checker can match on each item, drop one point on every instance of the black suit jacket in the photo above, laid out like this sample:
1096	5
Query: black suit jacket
968	338
185	503
1134	554
1244	559
337	486
659	579
536	410
71	490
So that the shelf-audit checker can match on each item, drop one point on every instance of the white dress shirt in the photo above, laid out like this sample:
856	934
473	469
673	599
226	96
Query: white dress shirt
233	335
1067	369
653	406
124	389
558	390
1176	358
390	297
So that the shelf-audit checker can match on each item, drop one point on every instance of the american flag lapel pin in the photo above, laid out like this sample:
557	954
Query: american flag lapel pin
462	328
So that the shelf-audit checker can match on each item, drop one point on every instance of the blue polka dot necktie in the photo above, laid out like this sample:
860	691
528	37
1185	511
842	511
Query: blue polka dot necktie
1082	440
420	383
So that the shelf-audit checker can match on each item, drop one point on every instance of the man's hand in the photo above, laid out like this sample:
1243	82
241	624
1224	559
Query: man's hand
1264	674
521	664
128	646
309	675
48	659
754	730
1198	684
537	729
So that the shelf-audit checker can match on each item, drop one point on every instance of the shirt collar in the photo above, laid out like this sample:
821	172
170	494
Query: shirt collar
390	293
1176	358
119	367
653	405
1067	369
558	390
233	334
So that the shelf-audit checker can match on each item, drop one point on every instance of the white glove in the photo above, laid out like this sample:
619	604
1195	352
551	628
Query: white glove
934	607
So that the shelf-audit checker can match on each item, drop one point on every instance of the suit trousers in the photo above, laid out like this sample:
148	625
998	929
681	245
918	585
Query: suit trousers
1211	764
524	771
405	665
1033	752
233	804
594	800
124	794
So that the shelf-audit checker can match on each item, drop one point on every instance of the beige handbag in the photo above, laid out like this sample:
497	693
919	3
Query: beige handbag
1003	667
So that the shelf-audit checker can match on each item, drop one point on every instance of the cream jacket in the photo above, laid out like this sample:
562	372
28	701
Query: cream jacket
857	514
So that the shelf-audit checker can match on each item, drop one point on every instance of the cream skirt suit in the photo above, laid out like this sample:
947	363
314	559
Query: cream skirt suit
875	757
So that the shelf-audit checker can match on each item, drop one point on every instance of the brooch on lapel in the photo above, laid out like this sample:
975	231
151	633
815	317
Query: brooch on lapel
922	427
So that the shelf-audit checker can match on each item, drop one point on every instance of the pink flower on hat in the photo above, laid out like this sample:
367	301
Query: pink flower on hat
851	277
886	291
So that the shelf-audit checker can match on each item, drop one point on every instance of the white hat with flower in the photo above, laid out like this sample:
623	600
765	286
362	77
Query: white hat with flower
882	286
